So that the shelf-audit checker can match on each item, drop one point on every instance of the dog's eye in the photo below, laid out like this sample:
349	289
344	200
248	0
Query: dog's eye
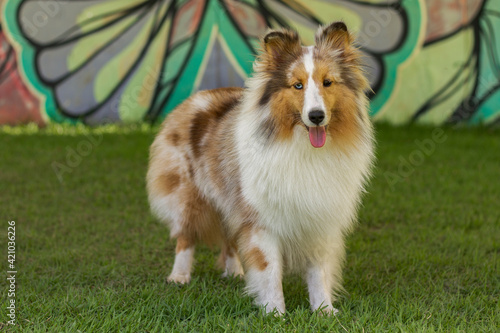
327	83
298	86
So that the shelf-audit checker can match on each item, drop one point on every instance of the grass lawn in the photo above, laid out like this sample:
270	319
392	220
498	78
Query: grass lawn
91	258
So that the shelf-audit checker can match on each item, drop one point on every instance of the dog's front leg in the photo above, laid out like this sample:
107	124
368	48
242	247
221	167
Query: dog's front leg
263	260
319	286
323	277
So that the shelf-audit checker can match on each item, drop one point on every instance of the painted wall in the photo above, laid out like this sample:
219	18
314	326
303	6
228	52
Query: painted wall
95	61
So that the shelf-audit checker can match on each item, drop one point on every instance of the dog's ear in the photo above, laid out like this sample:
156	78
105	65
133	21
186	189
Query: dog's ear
281	46
334	35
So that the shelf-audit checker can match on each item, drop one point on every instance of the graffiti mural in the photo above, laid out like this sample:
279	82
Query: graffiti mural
454	76
17	104
97	61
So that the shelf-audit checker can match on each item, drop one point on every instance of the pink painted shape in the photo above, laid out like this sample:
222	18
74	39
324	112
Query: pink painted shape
446	16
187	20
249	20
17	104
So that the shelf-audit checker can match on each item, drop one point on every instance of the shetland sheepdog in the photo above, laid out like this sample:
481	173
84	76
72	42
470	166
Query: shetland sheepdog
272	173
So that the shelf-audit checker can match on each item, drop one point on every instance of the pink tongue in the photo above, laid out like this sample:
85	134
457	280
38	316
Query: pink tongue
317	136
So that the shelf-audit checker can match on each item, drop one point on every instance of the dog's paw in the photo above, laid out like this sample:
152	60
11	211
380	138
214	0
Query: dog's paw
179	278
227	275
276	309
233	268
237	274
328	311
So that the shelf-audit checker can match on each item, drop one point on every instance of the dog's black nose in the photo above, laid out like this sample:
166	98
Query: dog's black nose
316	116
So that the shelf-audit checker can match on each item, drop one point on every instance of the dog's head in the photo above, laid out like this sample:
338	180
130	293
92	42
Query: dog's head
319	88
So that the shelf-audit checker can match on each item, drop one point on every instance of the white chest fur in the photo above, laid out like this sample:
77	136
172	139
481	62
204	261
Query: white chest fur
300	192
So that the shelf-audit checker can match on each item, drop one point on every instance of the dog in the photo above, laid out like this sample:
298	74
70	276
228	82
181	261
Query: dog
272	173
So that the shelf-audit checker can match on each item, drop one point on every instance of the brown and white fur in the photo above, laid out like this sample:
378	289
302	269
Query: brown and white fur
238	168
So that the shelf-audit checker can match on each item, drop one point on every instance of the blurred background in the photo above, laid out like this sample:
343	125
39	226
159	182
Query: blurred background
91	258
100	61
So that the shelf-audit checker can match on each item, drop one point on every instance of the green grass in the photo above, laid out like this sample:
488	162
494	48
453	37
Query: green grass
90	258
